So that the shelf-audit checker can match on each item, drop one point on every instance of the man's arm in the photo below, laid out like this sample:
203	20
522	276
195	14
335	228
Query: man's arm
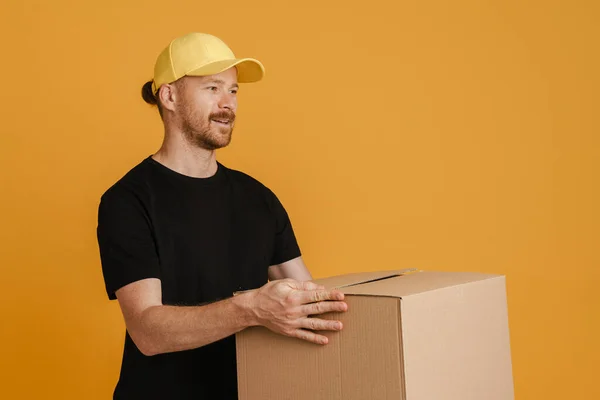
294	269
283	306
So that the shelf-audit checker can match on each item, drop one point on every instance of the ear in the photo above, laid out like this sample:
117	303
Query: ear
167	94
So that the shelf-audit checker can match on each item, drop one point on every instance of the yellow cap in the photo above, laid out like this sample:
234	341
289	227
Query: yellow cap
201	54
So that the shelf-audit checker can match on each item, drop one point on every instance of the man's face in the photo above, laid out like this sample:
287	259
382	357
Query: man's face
207	108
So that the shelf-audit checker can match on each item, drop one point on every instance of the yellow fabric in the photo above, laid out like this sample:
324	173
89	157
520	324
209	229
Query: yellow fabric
200	54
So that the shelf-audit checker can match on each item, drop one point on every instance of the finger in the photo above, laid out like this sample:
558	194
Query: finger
310	336
312	296
323	307
302	285
309	285
317	324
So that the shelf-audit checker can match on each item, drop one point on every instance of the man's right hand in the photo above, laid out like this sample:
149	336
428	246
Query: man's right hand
285	306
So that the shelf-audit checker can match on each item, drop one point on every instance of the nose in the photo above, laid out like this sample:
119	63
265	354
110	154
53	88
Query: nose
228	101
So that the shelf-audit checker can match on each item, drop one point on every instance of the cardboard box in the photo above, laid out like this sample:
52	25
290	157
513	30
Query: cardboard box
418	335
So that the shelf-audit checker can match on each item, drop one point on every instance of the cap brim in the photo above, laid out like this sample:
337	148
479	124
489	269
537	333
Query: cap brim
249	69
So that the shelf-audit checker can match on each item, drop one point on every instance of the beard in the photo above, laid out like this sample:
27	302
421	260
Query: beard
205	132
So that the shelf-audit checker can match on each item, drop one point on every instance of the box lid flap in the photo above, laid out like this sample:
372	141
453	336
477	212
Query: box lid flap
415	283
347	280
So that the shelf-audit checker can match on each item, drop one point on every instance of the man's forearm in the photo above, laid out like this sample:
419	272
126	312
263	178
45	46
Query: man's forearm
165	329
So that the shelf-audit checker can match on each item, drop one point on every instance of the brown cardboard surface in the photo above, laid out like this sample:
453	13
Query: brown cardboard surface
363	363
420	336
415	283
335	282
272	366
456	343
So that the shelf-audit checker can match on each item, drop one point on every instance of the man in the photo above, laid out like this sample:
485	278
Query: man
180	233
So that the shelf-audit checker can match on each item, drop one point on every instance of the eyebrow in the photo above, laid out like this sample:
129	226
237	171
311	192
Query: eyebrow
222	82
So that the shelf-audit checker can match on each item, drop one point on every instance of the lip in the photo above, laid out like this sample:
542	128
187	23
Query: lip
222	121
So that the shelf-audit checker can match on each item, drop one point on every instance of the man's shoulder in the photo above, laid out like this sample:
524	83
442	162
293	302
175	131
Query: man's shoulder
132	182
244	178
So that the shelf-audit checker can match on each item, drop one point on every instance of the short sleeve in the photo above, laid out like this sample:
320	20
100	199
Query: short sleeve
286	246
127	249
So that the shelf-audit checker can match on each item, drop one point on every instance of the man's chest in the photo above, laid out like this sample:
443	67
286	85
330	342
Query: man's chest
211	246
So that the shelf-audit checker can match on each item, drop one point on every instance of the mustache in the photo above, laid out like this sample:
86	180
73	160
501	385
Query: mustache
224	115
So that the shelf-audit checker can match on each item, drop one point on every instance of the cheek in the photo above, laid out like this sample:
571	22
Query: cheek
200	107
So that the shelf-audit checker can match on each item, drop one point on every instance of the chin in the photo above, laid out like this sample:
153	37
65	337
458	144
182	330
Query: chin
223	138
218	144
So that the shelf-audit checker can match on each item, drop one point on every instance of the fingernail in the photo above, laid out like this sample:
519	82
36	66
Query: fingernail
324	341
340	326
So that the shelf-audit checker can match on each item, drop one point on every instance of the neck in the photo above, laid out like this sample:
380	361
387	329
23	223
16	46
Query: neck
178	154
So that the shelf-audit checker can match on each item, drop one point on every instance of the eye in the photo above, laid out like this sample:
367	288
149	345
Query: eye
212	88
233	91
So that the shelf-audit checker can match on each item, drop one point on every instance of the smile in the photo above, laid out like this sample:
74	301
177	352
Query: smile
222	121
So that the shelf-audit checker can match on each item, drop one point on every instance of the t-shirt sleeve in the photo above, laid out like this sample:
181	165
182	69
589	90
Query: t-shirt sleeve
127	249
286	246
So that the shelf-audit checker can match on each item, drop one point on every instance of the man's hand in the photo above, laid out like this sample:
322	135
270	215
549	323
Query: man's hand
284	306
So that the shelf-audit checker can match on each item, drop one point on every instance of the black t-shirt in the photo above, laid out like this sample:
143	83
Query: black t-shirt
204	238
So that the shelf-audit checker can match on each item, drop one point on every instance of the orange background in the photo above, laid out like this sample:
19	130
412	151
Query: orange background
449	135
